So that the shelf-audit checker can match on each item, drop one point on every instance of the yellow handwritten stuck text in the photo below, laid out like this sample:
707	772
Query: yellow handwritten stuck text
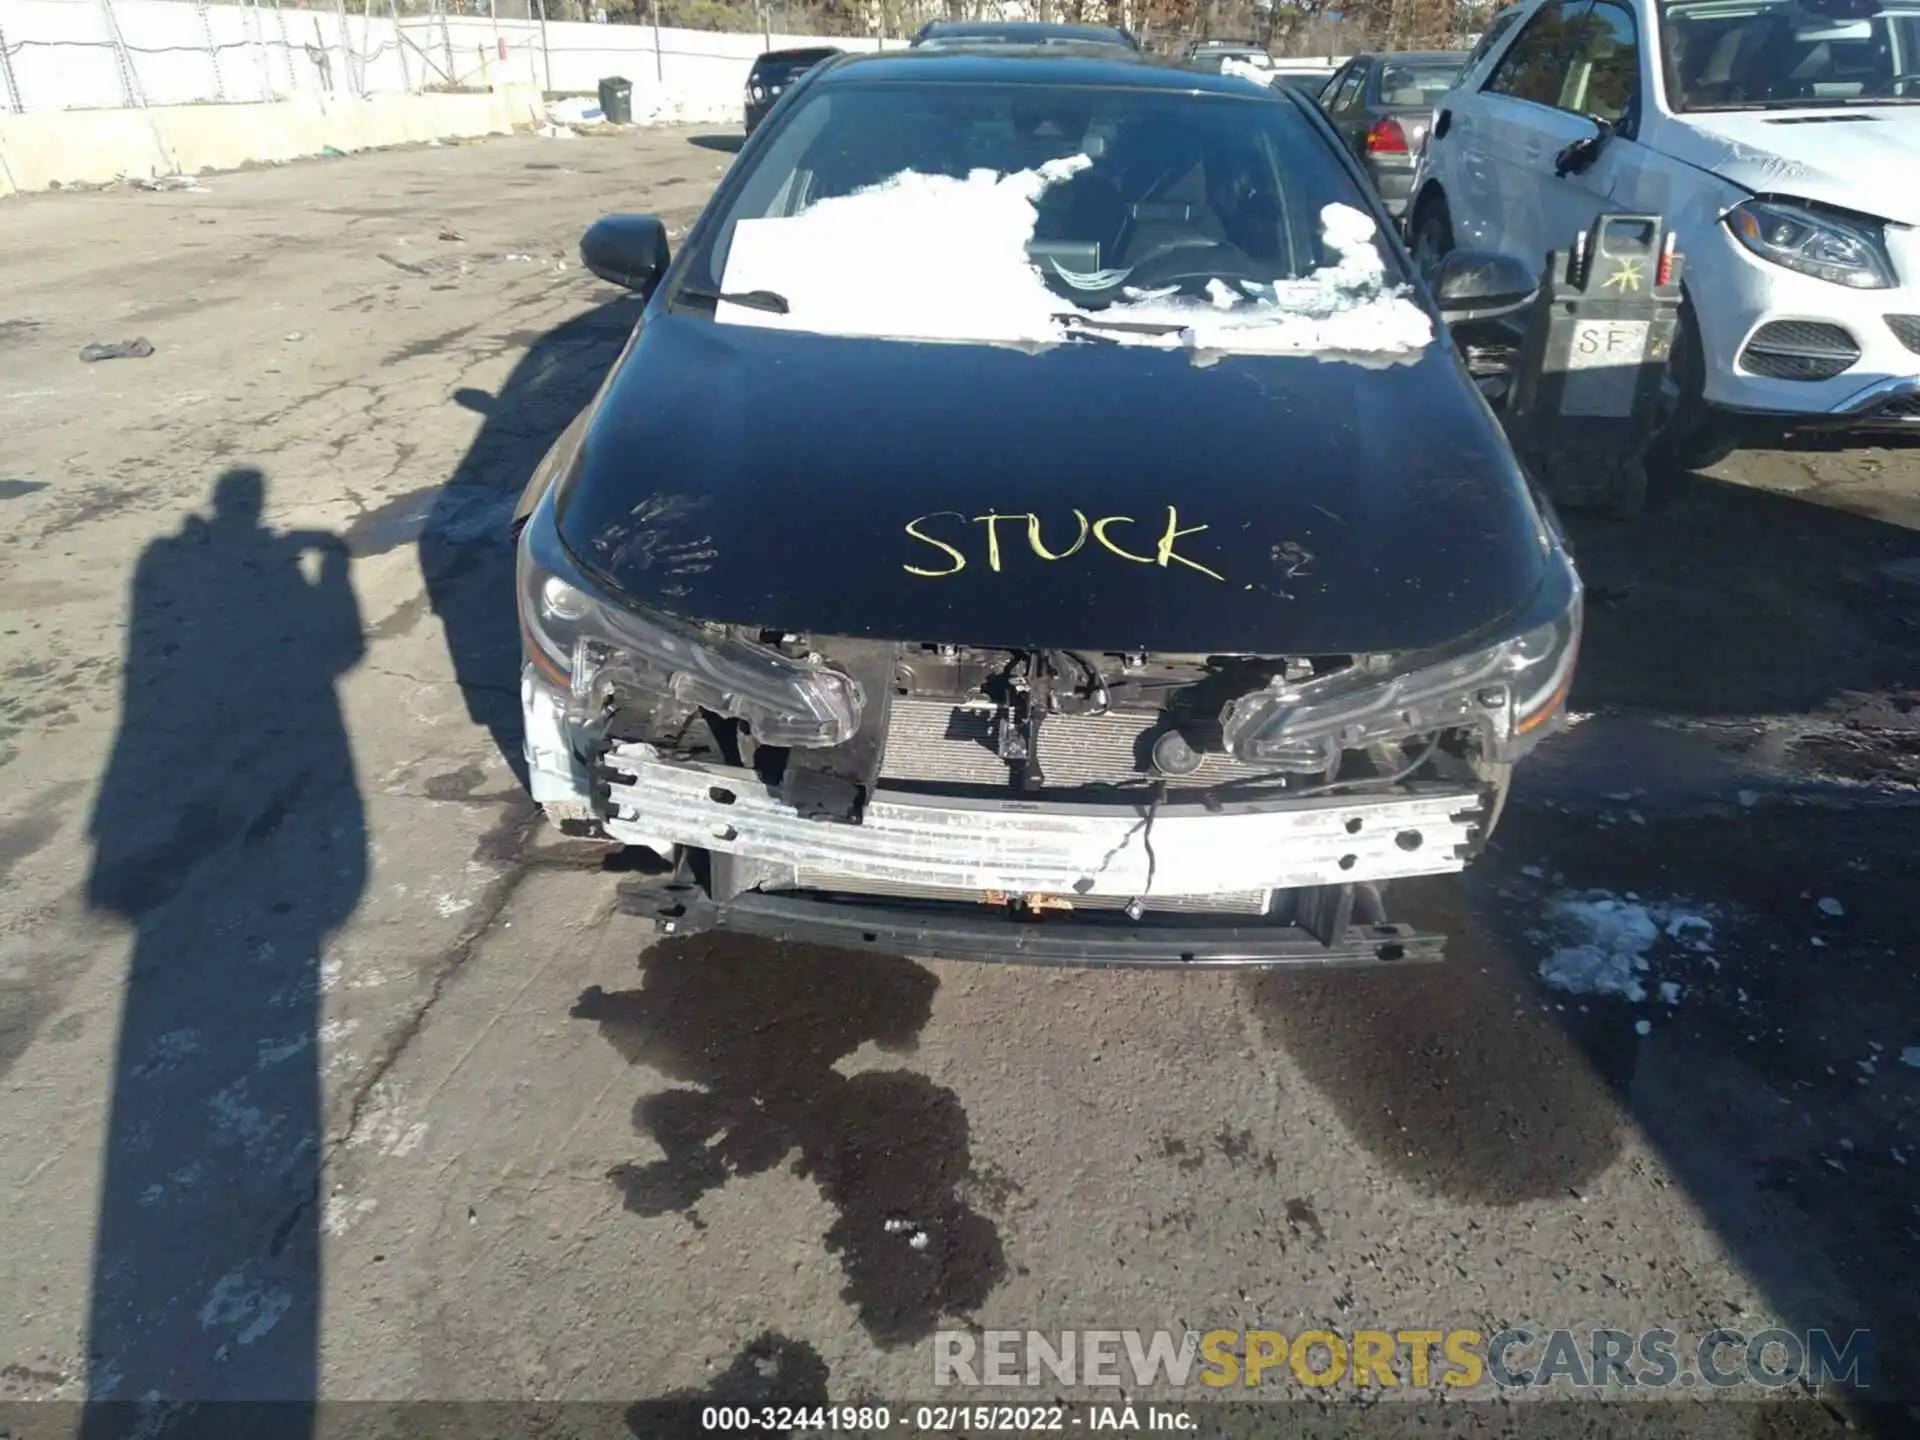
954	558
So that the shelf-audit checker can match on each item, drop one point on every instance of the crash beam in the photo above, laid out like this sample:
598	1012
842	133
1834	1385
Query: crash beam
1022	846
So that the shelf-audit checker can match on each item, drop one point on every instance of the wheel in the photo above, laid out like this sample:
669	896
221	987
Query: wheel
1694	436
1430	236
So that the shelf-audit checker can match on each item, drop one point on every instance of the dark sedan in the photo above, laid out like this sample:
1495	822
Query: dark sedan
773	72
1040	516
1209	55
972	34
1382	106
1309	81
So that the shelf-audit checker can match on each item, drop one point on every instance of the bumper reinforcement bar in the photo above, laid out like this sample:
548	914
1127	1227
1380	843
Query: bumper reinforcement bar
948	931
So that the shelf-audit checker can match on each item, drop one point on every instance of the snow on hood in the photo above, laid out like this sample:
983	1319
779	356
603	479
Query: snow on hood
1838	161
934	257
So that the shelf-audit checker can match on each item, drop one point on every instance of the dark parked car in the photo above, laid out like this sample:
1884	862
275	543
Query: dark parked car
970	34
1208	54
1382	106
1274	613
773	72
1309	80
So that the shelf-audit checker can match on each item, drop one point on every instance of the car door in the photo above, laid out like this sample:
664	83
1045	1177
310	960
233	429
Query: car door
1604	84
1519	129
1346	110
1459	160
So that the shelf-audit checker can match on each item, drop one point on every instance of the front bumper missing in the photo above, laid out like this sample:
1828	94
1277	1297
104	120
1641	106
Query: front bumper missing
953	932
1062	850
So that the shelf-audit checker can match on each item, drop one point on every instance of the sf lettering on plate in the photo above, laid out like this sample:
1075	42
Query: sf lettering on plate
1142	542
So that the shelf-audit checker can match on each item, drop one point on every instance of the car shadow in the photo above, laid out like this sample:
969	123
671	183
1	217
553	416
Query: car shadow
1766	1086
1449	1074
754	1031
465	543
725	144
1730	599
228	833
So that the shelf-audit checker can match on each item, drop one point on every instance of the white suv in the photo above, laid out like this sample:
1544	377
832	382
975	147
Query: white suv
1781	140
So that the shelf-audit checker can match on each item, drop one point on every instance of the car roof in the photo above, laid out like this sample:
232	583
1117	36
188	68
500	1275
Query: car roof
804	52
1036	65
1018	29
1390	57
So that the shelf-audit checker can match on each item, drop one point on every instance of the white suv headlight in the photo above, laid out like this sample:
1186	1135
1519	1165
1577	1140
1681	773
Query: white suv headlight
1850	252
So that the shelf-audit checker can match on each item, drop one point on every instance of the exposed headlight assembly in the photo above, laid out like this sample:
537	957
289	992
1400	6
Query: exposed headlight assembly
1509	692
596	647
1850	252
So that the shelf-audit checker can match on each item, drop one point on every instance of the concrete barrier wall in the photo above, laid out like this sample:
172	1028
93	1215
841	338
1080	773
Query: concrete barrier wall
694	75
41	149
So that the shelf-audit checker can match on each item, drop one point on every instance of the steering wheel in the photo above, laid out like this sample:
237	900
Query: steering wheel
1190	266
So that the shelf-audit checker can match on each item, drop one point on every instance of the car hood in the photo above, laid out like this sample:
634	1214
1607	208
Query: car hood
1839	157
1264	505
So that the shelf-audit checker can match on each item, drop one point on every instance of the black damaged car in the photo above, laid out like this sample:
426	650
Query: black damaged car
1040	516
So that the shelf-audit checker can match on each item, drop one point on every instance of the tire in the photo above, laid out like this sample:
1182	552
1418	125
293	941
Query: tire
1694	436
1430	233
1630	489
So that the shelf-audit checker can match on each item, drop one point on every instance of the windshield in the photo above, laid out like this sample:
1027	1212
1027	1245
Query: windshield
1021	212
1420	82
1777	54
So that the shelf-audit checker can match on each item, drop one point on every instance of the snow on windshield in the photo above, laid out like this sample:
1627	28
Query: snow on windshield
935	257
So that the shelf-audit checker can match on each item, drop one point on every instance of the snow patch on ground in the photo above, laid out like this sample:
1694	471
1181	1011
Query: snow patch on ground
1608	941
275	1052
575	110
249	1310
868	264
169	1052
236	1120
340	1214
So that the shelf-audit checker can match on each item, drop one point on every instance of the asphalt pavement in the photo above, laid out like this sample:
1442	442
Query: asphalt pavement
327	1068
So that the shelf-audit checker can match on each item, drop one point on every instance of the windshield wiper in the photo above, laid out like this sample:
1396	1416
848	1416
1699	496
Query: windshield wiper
1129	327
767	300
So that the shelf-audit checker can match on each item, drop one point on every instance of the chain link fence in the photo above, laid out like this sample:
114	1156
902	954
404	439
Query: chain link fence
94	54
84	54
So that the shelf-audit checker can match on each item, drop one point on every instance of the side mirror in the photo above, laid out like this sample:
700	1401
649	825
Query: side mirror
628	250
1578	158
1471	285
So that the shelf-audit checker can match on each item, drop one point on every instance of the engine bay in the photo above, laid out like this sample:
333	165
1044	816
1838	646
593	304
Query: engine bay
968	720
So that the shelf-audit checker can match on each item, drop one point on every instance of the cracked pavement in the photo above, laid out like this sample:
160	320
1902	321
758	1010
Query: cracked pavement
326	1067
